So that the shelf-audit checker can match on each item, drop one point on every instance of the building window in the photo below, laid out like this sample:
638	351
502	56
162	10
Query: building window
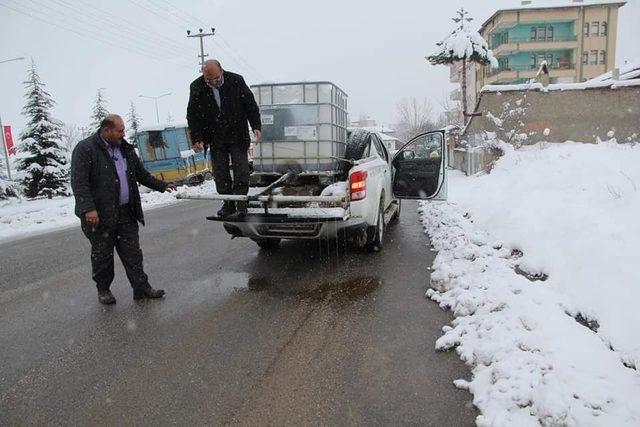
503	63
542	31
603	29
549	60
585	29
533	62
595	28
603	57
533	33
585	58
594	57
549	33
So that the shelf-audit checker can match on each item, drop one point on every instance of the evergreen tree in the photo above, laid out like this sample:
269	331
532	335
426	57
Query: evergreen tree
99	112
133	123
42	156
466	46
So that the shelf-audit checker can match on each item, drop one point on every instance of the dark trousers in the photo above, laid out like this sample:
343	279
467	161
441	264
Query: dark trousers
123	236
220	153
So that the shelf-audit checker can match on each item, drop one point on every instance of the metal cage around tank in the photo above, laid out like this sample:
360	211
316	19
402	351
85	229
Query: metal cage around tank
304	124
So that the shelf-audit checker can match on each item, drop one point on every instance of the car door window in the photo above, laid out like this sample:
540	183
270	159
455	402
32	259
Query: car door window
378	147
419	167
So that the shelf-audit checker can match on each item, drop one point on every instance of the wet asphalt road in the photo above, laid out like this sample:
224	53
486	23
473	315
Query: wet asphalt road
310	334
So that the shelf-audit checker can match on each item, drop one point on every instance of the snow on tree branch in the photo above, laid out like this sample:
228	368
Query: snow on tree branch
461	44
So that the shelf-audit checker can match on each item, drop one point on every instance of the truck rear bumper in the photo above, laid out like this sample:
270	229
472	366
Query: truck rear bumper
256	226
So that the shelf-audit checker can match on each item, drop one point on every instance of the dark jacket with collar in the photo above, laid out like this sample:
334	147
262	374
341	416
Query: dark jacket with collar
207	122
95	183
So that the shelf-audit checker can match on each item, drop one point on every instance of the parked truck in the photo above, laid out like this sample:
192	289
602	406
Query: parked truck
319	180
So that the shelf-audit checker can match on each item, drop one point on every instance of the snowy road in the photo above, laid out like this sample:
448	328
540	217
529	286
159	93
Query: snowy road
244	337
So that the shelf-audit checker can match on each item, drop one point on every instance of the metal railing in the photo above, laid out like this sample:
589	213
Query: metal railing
529	68
518	40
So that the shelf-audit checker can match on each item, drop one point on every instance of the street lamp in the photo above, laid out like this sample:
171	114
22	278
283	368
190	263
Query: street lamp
155	98
4	142
12	59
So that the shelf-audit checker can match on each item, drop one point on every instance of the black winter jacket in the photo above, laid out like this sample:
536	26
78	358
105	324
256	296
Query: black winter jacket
207	121
95	183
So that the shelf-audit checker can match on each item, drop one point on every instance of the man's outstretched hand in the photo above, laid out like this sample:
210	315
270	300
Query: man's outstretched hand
258	136
171	187
198	147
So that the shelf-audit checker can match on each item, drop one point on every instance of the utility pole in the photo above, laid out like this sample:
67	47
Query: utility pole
201	35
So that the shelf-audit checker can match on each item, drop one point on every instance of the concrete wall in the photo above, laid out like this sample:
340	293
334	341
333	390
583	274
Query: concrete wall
576	115
473	160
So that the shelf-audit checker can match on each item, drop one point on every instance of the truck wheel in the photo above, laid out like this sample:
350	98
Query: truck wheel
396	217
268	244
356	145
376	238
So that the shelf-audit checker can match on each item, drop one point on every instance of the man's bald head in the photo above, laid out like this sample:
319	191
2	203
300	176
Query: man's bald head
212	72
112	128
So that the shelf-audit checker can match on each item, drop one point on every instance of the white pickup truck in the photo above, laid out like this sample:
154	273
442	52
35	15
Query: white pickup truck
357	204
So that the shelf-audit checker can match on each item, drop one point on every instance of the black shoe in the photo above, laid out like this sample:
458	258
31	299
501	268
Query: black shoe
106	297
227	209
148	293
241	209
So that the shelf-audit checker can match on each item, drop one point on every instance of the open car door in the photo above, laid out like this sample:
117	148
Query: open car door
420	168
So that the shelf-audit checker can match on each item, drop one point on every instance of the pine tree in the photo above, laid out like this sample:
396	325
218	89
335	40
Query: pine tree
99	112
466	46
42	156
133	123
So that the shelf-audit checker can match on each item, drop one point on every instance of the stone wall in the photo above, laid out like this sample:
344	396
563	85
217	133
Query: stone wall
530	116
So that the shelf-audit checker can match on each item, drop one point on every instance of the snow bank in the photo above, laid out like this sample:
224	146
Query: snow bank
567	213
21	218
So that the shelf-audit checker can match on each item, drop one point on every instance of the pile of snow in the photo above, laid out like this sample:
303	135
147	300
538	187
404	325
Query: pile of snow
21	217
590	84
559	342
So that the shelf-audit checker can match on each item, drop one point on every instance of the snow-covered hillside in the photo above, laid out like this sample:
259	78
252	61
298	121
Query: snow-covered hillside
538	262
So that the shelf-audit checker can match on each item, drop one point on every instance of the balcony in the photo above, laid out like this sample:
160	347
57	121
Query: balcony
512	73
508	47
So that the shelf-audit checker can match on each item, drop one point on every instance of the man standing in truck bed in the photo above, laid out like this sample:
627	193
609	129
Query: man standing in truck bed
220	105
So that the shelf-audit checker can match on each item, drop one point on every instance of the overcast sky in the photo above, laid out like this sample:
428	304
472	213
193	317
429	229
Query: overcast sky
372	50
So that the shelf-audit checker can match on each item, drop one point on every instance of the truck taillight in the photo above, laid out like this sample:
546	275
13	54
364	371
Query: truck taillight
358	185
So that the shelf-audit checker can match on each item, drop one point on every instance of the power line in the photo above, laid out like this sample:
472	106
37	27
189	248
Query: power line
90	35
157	40
98	21
229	49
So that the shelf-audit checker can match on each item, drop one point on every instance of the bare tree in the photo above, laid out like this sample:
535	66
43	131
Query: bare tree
70	135
414	116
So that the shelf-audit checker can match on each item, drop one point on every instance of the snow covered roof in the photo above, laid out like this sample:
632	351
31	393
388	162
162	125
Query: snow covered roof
385	137
591	84
627	72
374	128
554	4
162	126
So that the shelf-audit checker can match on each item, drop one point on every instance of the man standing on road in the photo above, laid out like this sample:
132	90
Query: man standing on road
105	171
220	105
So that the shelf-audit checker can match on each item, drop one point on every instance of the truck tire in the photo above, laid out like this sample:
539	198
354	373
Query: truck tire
268	244
376	236
356	145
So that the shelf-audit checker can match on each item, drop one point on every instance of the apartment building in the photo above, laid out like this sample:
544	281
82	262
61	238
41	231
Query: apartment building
577	39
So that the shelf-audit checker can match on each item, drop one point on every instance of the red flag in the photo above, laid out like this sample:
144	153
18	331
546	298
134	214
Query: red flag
9	140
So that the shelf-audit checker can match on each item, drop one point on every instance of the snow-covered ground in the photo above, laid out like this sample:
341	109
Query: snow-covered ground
558	342
22	218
